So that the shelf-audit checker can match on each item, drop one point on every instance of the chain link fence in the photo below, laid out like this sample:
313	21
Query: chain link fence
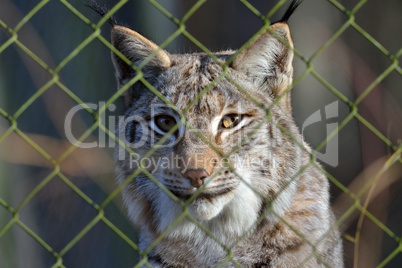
59	204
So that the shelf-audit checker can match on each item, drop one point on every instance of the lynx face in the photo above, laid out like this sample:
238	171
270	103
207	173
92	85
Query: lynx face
227	148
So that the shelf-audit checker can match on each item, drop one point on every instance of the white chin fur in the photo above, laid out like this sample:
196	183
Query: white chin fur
204	210
233	213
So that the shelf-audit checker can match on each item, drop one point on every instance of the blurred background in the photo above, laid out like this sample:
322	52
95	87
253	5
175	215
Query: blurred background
357	61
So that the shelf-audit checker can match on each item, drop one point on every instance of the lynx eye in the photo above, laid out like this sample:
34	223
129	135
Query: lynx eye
231	120
165	122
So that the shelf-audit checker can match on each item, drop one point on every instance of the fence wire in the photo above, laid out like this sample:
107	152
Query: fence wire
13	211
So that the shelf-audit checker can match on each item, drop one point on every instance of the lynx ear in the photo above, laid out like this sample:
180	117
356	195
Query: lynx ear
269	61
136	48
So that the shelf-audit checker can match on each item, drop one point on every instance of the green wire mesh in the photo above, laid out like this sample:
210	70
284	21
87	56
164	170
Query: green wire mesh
96	123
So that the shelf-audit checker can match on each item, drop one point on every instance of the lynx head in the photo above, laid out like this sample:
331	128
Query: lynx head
214	131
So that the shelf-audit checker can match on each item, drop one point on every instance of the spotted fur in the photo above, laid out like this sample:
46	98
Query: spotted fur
263	201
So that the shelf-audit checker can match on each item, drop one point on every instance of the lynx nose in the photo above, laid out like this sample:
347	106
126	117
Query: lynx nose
196	176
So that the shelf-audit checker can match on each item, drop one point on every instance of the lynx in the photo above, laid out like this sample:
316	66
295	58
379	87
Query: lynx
229	181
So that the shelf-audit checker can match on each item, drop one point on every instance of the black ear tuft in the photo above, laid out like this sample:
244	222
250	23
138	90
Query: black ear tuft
101	10
290	10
